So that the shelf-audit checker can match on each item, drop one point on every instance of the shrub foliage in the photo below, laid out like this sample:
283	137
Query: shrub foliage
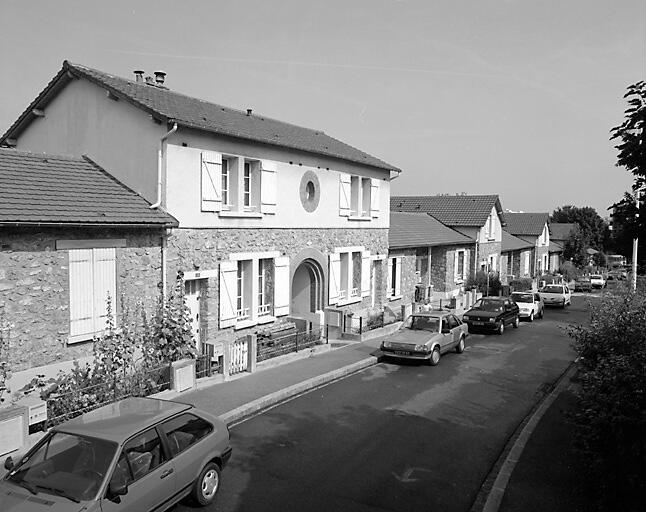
611	422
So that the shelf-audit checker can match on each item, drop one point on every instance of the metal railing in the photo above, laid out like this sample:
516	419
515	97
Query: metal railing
270	348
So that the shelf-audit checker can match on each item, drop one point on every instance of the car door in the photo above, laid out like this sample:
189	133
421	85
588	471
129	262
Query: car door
145	467
184	434
508	312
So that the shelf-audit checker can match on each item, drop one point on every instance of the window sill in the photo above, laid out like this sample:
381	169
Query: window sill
80	338
345	302
245	215
357	218
267	319
243	324
395	297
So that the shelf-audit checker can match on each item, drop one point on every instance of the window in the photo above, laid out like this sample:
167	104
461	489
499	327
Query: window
460	266
394	277
254	287
139	457
358	197
349	275
492	262
184	431
92	279
225	183
246	189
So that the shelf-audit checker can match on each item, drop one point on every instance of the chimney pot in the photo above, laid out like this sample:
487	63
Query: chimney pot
160	76
249	111
139	75
149	80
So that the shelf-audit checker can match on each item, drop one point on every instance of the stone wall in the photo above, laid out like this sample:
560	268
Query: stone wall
204	249
443	266
34	288
487	249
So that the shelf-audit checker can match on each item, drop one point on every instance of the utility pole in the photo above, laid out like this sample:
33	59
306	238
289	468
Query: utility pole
635	241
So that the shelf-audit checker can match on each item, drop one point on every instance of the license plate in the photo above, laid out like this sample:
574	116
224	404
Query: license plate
478	323
402	353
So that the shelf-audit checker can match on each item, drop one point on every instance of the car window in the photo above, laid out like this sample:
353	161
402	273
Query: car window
453	322
553	289
488	305
140	455
184	431
422	323
537	297
521	297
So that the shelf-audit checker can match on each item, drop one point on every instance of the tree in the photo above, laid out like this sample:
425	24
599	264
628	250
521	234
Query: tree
594	230
625	225
575	246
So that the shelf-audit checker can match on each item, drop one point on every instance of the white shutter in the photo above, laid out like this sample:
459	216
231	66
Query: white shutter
228	293
365	273
456	259
391	291
104	285
211	182
281	286
374	197
345	194
81	292
335	276
398	277
268	187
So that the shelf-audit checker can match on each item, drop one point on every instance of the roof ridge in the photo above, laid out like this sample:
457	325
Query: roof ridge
25	152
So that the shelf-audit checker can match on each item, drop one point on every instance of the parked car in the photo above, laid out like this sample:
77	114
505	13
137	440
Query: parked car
583	284
556	295
597	281
135	455
530	305
426	336
492	314
617	274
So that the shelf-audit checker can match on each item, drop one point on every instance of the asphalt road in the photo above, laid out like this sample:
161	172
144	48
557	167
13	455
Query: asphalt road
398	437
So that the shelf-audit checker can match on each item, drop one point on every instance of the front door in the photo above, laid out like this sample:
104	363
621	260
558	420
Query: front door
193	293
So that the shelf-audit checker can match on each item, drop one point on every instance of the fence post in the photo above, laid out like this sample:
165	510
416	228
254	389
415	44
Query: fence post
360	325
252	352
226	359
296	338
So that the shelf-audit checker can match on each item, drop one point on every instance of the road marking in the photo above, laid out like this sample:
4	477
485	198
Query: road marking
406	476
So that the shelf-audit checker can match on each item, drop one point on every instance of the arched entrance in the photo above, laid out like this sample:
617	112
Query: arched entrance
307	291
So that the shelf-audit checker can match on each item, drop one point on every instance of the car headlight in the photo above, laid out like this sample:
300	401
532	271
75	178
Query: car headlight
421	348
466	317
386	344
492	320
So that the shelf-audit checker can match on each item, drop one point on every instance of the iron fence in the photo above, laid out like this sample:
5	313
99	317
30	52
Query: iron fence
270	348
205	366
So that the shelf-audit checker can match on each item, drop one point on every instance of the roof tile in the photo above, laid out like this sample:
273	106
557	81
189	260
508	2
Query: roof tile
459	210
528	224
414	230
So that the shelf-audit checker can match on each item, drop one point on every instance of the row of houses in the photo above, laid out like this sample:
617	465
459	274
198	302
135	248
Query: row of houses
111	187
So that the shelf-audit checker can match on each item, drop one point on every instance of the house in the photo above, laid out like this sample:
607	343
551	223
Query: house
477	217
276	222
71	236
517	257
533	228
559	234
426	259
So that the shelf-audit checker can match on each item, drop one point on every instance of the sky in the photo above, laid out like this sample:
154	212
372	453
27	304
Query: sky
508	97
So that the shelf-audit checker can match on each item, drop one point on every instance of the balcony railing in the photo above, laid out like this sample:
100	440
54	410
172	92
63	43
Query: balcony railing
264	309
242	314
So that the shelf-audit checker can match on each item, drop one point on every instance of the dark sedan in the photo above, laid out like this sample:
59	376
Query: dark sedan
492	314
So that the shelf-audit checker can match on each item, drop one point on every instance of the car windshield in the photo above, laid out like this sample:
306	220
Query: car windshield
553	289
522	297
488	305
67	465
595	276
423	323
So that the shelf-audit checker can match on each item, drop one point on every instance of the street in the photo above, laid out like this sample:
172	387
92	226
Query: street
398	436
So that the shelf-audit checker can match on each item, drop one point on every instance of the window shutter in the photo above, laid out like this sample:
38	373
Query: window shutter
211	182
281	286
398	277
374	197
81	292
228	293
391	291
345	193
268	187
104	285
456	271
365	273
335	276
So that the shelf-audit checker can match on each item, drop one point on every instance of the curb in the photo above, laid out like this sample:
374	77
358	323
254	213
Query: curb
238	414
514	448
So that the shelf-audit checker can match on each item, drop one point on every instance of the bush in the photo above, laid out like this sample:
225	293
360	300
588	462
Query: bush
482	279
569	271
521	285
611	422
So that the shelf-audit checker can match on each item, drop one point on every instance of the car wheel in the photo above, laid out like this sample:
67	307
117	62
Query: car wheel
435	357
207	485
563	305
540	313
531	316
516	322
501	327
460	346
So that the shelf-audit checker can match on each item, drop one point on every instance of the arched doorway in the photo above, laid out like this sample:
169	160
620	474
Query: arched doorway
307	291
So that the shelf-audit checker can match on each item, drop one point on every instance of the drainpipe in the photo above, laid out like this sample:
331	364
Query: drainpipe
164	259
160	161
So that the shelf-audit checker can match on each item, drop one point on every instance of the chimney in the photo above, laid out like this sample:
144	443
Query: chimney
249	111
160	76
139	75
149	80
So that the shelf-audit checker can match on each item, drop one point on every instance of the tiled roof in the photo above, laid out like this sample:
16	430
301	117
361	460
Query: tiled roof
171	106
460	210
512	243
526	223
41	188
561	230
555	247
414	230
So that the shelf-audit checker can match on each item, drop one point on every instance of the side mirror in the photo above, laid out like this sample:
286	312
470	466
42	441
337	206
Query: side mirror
117	489
8	463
